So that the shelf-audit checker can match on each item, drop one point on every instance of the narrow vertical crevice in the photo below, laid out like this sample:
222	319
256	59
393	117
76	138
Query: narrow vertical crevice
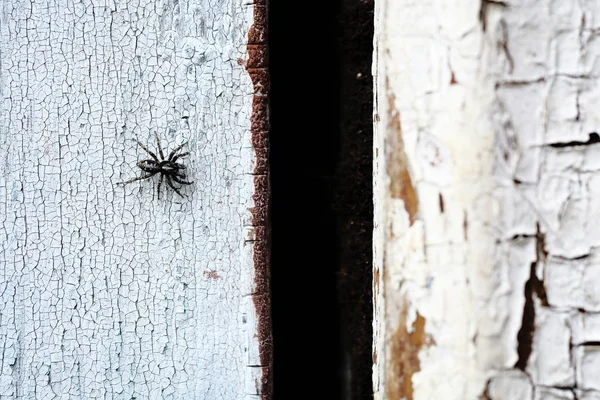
354	195
533	287
321	184
525	335
304	147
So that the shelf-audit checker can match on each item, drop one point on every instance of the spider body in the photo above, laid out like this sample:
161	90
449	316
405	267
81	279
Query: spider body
151	166
168	167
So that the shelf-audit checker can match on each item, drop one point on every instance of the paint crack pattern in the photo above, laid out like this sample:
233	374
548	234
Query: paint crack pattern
488	112
546	124
109	292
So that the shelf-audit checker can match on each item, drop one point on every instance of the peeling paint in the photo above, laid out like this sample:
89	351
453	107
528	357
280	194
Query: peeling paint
505	230
401	186
404	348
109	292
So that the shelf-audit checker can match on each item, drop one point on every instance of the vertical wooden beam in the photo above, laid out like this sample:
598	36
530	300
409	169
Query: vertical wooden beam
111	291
486	238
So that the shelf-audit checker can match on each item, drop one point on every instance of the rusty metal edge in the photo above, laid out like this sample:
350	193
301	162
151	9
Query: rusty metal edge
257	68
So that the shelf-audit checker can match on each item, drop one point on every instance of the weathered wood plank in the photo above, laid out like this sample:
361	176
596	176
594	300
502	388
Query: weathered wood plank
109	291
486	261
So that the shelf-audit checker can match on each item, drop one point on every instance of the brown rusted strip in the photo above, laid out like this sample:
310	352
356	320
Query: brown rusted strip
402	345
260	123
257	67
262	161
401	186
261	197
403	359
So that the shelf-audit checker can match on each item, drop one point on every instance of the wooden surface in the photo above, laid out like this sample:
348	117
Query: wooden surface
486	185
108	291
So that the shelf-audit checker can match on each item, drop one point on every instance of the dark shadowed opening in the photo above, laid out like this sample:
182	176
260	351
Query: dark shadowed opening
321	216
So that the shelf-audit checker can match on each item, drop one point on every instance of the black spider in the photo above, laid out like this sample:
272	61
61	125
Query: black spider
168	168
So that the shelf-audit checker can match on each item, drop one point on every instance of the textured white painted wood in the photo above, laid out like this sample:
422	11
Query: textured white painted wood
486	108
107	291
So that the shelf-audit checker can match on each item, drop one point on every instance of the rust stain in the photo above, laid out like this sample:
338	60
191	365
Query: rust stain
212	274
375	357
486	392
257	67
404	348
453	79
401	186
375	283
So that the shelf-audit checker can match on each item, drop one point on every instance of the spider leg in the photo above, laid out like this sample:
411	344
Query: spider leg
160	150
176	179
175	151
173	187
180	178
140	178
159	184
180	173
148	151
179	156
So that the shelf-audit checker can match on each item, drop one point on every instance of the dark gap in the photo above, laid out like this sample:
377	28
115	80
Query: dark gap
304	146
354	196
321	216
525	334
590	343
593	139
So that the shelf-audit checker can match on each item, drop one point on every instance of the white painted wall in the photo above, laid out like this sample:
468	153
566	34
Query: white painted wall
486	194
106	291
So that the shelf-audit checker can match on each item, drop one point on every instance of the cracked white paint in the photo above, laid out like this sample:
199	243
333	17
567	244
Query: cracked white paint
107	291
494	102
